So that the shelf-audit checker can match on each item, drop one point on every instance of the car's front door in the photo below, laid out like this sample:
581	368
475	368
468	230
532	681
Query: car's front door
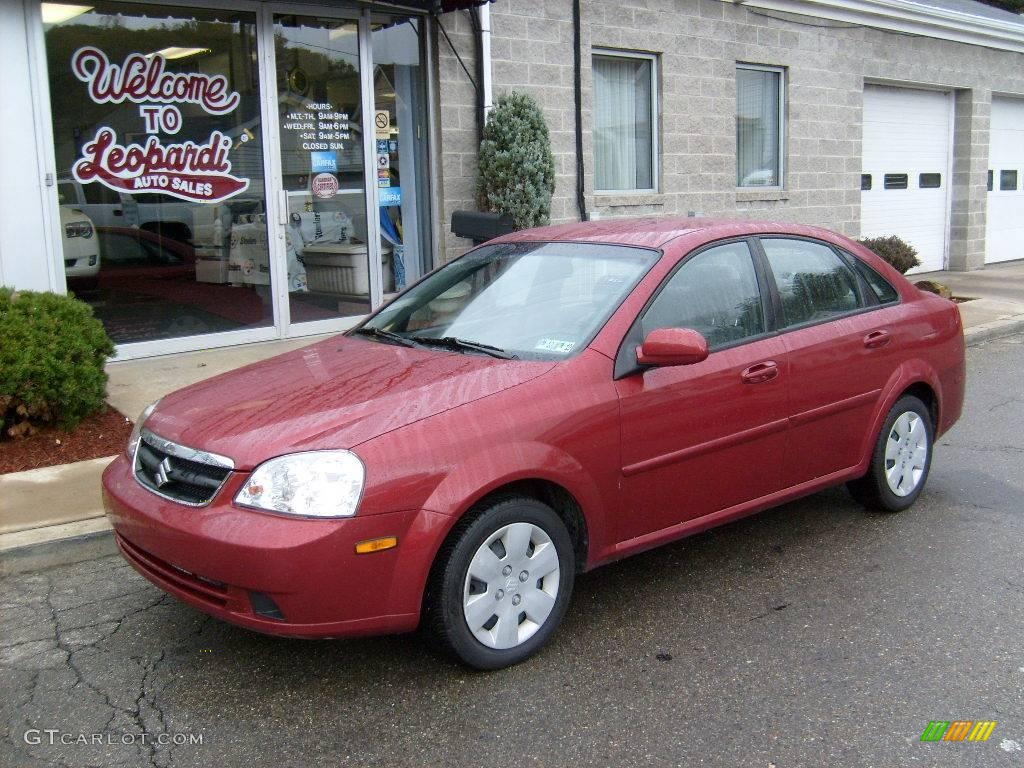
841	346
701	438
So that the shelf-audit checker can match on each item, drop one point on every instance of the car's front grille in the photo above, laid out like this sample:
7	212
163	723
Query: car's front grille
179	473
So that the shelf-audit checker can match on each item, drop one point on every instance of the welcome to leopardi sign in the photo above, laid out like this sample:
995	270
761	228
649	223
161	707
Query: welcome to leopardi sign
194	171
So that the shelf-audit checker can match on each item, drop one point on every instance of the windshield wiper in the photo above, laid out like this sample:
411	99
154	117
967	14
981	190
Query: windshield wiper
450	342
380	333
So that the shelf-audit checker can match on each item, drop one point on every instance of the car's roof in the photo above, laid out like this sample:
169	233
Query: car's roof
656	232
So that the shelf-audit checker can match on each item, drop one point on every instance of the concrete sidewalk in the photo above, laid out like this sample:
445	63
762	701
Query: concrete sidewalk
997	293
72	491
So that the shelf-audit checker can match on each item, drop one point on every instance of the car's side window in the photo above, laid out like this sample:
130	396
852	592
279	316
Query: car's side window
714	292
879	286
814	283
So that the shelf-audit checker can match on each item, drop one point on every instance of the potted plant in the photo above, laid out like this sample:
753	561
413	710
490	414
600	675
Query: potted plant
516	172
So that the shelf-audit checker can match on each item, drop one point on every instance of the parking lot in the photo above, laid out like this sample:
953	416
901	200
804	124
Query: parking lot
811	635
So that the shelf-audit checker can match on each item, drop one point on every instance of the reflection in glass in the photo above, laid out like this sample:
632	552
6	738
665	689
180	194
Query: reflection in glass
399	86
319	103
171	241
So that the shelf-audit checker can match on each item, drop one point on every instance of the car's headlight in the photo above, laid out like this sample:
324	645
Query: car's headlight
78	229
136	436
312	484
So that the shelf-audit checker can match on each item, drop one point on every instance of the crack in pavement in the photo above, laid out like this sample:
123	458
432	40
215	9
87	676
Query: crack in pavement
72	652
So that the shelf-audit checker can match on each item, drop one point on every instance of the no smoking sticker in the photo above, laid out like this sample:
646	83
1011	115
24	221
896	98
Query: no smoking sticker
382	122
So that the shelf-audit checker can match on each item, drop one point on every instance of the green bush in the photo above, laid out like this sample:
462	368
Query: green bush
516	168
52	352
899	253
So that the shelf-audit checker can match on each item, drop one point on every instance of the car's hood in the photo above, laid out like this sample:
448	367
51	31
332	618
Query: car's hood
333	394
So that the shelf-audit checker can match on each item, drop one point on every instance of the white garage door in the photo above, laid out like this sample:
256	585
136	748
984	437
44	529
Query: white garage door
904	187
1004	222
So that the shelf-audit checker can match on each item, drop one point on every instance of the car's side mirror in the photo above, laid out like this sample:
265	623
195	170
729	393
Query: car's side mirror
672	346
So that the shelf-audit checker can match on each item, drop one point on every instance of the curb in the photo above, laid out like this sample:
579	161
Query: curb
59	548
996	329
48	497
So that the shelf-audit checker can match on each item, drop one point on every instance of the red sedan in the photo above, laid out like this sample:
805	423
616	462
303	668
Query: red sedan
553	400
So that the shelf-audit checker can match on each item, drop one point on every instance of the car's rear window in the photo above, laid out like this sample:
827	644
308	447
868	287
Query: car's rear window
879	286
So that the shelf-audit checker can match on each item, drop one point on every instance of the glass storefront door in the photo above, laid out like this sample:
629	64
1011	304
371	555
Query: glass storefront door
323	167
187	220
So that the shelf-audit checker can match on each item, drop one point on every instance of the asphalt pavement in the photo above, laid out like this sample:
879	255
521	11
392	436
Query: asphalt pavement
815	634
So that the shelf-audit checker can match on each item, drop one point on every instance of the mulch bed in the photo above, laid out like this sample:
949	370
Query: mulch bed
103	434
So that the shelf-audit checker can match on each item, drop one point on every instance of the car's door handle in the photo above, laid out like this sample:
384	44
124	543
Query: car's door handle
877	339
760	372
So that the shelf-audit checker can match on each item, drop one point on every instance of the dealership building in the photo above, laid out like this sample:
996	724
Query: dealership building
218	172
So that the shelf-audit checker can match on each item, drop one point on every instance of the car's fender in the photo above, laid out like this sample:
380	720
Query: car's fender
908	373
500	465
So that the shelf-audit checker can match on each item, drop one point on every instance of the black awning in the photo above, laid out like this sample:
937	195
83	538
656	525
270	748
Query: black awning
435	6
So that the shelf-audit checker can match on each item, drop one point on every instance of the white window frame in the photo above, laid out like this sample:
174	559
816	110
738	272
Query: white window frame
783	120
615	53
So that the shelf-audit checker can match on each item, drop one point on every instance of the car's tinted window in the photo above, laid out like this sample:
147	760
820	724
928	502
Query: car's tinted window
121	249
878	284
813	281
714	292
97	194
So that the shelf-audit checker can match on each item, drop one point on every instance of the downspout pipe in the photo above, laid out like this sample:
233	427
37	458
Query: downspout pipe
478	72
486	80
577	82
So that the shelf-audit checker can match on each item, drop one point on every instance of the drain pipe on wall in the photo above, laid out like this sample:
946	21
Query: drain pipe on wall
485	60
577	82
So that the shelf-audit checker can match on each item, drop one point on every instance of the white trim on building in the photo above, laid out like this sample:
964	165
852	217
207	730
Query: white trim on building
907	17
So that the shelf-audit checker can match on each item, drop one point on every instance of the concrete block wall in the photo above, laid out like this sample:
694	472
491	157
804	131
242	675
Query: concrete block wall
698	44
972	112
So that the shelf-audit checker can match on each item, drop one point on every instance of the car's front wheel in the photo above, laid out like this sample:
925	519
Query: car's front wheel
901	459
502	584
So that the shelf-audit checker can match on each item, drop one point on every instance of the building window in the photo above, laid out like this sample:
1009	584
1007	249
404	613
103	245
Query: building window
895	181
1007	181
760	99
160	171
865	182
929	180
625	115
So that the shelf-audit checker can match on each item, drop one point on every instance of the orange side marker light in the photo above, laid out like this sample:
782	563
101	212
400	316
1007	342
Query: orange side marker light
376	545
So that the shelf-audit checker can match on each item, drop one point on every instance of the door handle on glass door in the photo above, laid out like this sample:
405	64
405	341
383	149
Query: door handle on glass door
877	339
760	372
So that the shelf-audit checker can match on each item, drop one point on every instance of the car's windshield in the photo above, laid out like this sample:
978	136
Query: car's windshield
531	300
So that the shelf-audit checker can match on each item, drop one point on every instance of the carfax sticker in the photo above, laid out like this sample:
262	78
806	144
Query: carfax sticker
555	345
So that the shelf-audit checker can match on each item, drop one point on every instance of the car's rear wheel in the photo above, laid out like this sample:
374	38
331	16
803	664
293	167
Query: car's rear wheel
502	584
900	461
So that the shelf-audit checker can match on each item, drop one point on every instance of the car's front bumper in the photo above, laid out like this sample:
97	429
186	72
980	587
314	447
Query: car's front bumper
228	561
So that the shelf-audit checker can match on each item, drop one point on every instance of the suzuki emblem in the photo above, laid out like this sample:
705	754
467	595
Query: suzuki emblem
162	475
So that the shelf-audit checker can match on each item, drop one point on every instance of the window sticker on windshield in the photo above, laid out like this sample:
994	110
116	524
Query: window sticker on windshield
555	345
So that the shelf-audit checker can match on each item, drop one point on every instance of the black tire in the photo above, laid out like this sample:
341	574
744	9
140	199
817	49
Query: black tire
445	621
873	490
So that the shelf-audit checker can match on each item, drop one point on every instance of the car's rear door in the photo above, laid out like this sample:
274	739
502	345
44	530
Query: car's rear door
700	438
842	348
